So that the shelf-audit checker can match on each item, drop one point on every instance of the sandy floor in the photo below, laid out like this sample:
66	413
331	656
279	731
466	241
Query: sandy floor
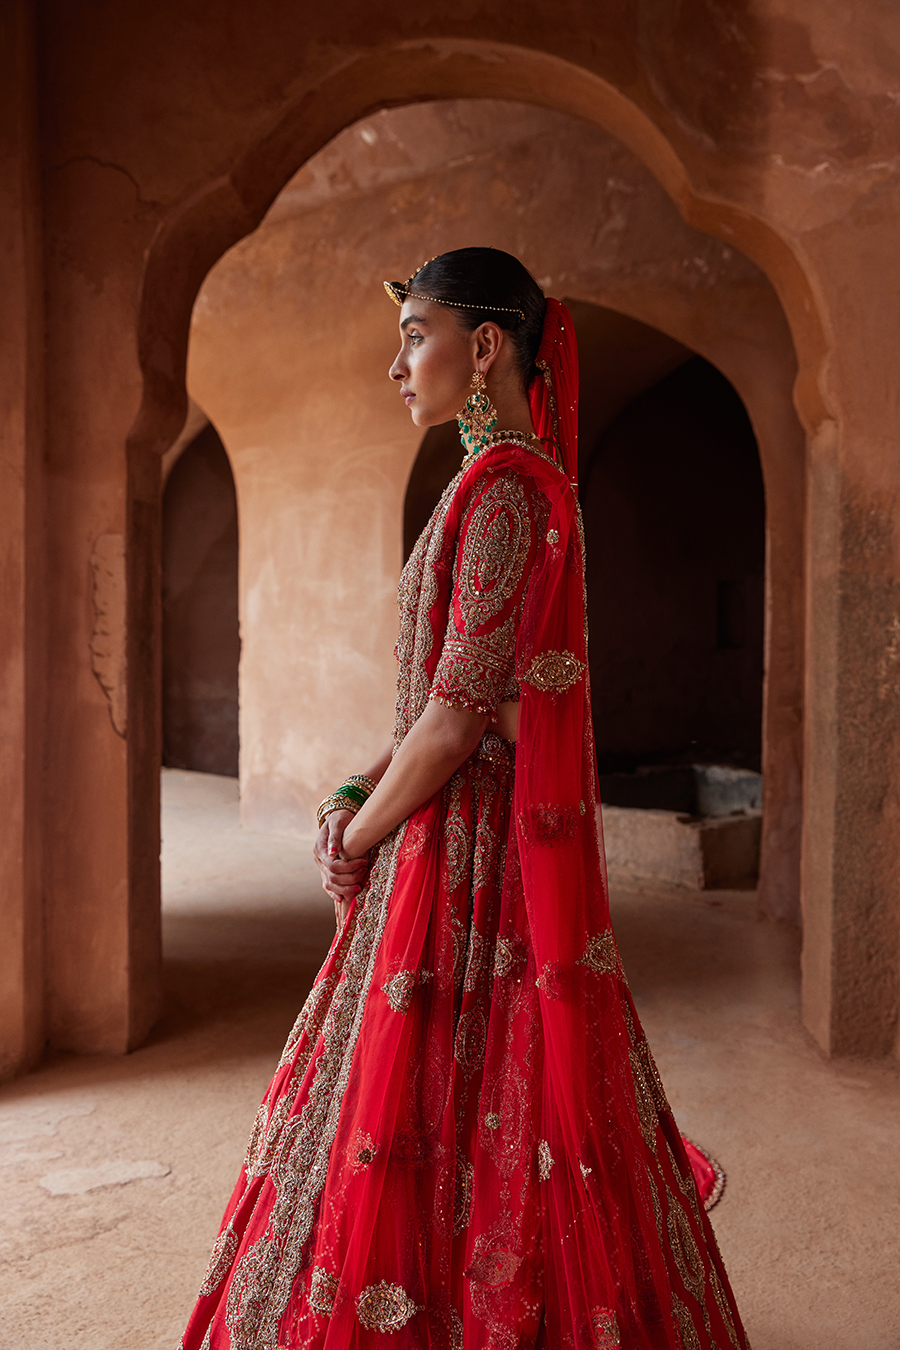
116	1170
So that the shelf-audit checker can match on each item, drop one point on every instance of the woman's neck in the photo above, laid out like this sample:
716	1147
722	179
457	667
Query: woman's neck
513	411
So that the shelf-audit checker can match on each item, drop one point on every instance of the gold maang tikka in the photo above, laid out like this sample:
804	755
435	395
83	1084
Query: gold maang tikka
478	417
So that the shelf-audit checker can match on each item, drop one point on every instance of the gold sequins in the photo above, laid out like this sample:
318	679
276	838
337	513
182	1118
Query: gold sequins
546	1160
601	954
492	1120
507	956
323	1288
385	1307
605	1329
400	989
220	1260
554	672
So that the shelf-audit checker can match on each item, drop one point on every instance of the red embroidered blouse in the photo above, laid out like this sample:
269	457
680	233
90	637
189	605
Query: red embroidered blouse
495	554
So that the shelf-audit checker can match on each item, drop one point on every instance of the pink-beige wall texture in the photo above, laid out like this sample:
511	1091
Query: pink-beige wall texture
147	141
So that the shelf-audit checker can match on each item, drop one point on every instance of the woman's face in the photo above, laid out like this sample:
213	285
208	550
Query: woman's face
435	363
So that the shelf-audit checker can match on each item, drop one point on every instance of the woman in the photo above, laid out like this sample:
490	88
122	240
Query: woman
466	1144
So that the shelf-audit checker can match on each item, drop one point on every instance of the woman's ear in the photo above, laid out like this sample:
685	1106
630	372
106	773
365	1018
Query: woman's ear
488	341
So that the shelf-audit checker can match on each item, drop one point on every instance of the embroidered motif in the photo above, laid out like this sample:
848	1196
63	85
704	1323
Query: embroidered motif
459	942
400	989
485	853
689	1338
456	1330
657	1209
684	1248
605	1329
550	980
476	668
722	1304
410	1148
584	1169
507	956
508	1099
546	1160
220	1260
207	1339
416	840
462	1193
554	672
456	842
601	954
385	1307
470	1039
553	536
263	1277
418	592
477	960
492	1266
495	546
361	1151
322	1291
646	1107
548	824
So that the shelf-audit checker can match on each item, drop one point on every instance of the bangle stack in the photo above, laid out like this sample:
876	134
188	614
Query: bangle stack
350	796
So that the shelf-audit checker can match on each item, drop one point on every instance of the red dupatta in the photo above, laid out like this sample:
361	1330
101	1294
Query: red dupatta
624	1240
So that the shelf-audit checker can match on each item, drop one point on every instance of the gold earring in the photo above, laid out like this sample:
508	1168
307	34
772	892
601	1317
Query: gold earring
477	419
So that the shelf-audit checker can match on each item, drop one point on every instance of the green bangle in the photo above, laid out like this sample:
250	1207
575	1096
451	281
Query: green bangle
351	790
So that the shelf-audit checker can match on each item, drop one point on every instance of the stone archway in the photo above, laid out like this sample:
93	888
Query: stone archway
194	236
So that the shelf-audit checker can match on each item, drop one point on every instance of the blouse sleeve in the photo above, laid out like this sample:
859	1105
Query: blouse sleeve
494	556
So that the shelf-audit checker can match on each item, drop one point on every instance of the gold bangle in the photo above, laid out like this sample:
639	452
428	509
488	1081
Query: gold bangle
363	780
335	803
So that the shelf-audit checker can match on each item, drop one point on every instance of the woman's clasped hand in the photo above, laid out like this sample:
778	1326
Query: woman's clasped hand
342	877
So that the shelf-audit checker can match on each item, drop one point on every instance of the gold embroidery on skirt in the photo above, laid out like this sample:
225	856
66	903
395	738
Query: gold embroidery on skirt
601	954
322	1290
546	1160
605	1329
689	1338
508	954
492	1266
462	1193
684	1248
385	1307
220	1260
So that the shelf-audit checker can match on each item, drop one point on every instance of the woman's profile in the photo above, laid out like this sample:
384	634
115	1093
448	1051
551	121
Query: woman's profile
466	1144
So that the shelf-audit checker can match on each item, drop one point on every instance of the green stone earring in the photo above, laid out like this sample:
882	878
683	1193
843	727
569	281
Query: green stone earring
477	419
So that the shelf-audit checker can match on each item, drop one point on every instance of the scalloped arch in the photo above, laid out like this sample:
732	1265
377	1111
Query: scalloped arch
199	229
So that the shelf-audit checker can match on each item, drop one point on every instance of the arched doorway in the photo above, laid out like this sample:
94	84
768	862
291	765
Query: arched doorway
757	362
200	637
675	532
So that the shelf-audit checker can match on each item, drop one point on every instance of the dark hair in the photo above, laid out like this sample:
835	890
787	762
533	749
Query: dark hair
479	278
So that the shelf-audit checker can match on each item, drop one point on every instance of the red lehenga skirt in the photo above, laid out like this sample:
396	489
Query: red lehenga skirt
394	1188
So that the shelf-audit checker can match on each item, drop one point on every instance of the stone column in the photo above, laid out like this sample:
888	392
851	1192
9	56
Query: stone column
102	781
851	849
21	664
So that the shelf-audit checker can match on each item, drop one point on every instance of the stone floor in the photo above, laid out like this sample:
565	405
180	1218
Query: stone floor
116	1170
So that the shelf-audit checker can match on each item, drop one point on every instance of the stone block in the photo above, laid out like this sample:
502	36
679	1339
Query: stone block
679	850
